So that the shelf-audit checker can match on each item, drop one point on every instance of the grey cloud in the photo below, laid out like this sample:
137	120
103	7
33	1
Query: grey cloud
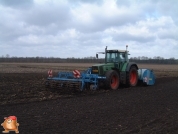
124	2
129	37
43	16
89	36
166	8
99	2
17	3
168	35
101	22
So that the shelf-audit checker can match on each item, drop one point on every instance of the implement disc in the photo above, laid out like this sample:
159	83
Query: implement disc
52	84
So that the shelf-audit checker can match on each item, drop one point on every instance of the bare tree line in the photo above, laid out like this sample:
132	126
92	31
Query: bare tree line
148	58
155	60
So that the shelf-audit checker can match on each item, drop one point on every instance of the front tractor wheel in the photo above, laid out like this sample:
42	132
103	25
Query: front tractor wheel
112	80
132	77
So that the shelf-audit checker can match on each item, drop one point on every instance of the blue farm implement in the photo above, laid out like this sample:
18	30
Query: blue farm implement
146	76
115	71
69	80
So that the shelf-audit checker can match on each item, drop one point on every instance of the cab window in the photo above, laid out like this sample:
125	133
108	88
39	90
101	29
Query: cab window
122	56
112	57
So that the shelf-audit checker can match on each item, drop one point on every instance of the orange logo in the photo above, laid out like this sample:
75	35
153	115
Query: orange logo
10	124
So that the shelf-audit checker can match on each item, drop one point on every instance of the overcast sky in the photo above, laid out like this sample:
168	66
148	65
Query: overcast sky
80	28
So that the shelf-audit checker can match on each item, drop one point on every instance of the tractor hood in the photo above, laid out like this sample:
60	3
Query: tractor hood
108	64
101	69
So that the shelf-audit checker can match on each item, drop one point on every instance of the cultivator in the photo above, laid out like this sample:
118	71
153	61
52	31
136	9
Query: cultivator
85	80
115	71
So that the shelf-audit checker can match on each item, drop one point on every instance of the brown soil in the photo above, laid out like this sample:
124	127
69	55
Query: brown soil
150	109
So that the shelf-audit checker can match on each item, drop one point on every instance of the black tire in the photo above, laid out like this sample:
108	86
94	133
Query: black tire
112	80
132	77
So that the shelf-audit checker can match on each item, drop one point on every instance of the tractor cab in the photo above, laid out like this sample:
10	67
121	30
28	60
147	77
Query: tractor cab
114	60
116	56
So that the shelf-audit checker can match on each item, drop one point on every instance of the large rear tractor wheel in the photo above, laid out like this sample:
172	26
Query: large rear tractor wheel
132	77
112	80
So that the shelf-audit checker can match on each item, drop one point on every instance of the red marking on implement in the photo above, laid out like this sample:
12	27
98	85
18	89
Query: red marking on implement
50	73
76	74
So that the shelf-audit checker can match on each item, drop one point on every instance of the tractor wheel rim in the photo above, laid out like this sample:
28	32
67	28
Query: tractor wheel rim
114	81
133	78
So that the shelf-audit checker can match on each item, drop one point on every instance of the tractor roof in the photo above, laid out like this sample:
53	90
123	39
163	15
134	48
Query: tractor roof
116	50
121	50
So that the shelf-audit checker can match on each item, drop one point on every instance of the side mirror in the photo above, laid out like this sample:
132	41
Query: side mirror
97	56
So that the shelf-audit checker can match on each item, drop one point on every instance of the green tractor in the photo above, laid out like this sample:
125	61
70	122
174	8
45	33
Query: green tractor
117	69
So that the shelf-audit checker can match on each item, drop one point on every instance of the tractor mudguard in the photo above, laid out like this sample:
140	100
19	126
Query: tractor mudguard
130	64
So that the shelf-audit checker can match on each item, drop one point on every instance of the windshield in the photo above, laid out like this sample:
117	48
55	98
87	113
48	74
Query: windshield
112	57
115	57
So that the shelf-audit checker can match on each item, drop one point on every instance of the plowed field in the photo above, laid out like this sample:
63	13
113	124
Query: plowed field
151	109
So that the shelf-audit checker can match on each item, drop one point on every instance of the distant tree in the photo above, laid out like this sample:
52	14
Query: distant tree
7	55
144	58
131	58
172	58
158	58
